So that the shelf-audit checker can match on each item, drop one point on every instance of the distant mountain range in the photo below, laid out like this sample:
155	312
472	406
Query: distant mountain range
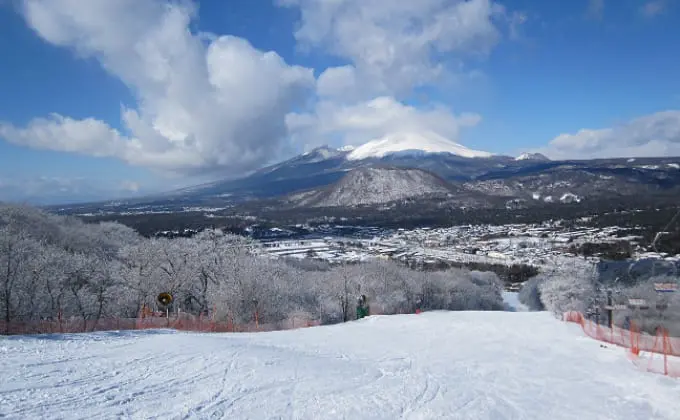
407	165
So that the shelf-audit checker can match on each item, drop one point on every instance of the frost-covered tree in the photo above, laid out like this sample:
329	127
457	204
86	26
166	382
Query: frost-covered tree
488	291
140	272
570	290
60	267
16	277
343	287
530	294
54	265
392	287
663	309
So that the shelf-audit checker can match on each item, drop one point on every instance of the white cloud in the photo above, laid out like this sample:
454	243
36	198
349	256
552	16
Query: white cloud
654	135
131	186
344	82
214	104
60	190
393	46
653	8
61	133
361	122
202	104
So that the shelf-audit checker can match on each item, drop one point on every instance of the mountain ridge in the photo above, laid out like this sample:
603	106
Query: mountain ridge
533	156
374	185
499	176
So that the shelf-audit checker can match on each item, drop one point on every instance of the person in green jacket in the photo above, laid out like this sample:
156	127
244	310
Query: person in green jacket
362	307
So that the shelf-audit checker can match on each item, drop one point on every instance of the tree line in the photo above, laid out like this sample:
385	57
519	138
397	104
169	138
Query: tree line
643	215
578	288
59	266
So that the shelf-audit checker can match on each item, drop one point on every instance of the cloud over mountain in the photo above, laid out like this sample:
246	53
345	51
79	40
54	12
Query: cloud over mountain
389	50
214	103
394	46
204	102
361	122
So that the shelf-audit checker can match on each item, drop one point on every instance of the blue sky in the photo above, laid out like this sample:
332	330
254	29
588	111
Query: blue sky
118	98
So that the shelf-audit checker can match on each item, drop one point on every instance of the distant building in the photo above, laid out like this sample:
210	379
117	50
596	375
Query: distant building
496	255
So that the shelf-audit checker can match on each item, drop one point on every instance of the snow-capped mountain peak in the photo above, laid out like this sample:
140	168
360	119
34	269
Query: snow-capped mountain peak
322	153
533	156
407	142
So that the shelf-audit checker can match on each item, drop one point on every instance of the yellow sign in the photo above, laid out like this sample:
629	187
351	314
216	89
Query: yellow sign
164	299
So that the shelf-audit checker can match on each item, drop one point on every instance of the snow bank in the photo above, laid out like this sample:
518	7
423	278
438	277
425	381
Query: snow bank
463	365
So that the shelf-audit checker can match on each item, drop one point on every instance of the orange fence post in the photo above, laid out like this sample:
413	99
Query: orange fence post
257	320
138	321
634	339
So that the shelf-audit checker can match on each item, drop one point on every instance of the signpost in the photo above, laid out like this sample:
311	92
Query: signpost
616	307
165	299
638	303
610	308
664	288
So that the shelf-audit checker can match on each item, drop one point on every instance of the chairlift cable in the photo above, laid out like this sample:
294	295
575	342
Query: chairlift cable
658	235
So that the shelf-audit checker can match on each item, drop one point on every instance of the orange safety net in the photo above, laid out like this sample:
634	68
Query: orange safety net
145	320
660	349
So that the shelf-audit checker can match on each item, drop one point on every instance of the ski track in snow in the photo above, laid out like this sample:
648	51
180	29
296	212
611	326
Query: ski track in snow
462	365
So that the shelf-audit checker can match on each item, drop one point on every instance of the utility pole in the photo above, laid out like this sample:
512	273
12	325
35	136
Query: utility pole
610	308
658	235
257	315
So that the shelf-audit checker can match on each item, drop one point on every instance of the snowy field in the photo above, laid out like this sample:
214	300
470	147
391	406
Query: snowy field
454	365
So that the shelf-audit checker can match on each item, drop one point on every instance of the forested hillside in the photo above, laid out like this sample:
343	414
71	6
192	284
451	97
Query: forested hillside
58	266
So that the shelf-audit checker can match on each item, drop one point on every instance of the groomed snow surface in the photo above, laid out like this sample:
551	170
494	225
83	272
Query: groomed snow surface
512	302
452	365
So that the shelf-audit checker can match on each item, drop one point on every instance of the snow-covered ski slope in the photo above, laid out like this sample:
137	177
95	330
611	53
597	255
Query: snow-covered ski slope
512	302
451	365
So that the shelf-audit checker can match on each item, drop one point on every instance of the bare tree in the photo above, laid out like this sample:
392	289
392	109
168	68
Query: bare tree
16	250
